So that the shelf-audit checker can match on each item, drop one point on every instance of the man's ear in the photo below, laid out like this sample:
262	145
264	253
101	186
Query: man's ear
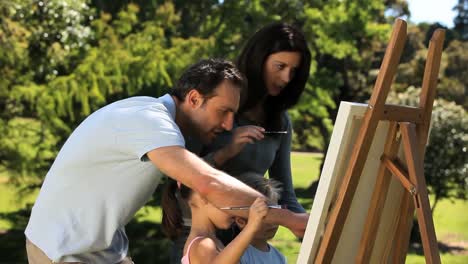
194	98
241	222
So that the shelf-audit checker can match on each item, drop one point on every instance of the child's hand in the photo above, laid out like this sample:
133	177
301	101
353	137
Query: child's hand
257	212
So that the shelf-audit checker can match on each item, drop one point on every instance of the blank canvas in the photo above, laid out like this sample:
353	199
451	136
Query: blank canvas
344	135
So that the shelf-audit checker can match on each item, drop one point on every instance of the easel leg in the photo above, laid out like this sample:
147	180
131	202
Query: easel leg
402	233
423	209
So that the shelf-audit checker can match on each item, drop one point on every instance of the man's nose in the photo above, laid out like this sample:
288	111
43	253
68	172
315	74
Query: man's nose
228	121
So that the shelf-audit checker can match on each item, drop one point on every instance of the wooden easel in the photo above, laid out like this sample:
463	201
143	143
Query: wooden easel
409	124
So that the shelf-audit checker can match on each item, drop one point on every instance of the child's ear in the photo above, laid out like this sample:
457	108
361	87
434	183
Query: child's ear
241	222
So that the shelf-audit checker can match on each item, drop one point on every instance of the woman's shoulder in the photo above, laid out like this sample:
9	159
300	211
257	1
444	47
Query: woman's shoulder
243	120
285	116
286	120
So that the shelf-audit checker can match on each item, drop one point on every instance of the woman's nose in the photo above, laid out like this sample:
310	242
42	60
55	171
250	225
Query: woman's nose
286	76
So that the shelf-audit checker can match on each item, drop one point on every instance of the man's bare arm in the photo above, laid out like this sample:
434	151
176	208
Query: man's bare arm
218	187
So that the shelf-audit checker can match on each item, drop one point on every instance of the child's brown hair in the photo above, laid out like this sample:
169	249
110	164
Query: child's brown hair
268	187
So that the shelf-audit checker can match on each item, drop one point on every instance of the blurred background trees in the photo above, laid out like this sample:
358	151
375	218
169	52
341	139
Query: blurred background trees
60	60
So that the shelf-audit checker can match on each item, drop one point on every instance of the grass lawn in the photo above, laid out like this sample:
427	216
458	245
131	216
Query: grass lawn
451	219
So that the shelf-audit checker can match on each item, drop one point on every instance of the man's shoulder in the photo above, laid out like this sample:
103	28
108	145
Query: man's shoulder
143	105
136	101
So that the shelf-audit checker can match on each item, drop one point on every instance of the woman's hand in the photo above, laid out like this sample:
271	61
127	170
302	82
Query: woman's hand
240	136
243	135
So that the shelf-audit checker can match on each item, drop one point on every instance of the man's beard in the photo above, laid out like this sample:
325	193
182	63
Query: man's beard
196	131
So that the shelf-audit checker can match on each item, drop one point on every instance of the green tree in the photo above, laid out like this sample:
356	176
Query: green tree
346	39
119	57
126	52
39	39
461	20
454	81
452	75
43	100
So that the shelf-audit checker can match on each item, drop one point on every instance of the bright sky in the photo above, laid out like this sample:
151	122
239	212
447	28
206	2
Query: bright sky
433	11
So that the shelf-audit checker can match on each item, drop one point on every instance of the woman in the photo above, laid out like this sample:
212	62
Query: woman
276	62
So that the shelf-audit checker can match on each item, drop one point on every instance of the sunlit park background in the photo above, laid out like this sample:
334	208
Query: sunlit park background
60	60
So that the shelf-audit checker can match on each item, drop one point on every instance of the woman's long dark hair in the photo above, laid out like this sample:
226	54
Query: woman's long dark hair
172	222
273	38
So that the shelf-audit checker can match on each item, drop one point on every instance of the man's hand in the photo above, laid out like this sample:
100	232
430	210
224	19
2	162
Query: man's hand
296	222
299	224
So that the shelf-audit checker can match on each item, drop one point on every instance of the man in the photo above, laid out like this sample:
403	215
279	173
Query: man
113	161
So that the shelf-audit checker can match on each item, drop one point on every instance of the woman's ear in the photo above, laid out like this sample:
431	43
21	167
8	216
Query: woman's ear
240	222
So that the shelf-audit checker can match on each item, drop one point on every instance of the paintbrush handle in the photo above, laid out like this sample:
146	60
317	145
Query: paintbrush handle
277	206
275	132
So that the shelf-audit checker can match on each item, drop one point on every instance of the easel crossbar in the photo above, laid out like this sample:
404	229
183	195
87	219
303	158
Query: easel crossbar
400	174
402	113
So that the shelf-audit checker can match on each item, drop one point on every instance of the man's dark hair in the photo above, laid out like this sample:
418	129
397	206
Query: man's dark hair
273	38
205	75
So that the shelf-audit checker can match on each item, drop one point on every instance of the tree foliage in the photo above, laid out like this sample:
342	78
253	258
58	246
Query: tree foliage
461	20
446	157
60	60
65	74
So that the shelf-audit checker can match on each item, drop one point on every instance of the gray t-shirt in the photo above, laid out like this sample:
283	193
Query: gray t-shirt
100	178
272	154
254	256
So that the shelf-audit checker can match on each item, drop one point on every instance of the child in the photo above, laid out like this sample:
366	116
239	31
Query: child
202	246
259	251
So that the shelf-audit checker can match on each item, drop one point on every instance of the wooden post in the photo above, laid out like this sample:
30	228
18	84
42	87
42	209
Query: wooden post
423	208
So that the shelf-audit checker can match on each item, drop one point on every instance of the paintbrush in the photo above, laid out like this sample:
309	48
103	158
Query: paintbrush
276	132
276	206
